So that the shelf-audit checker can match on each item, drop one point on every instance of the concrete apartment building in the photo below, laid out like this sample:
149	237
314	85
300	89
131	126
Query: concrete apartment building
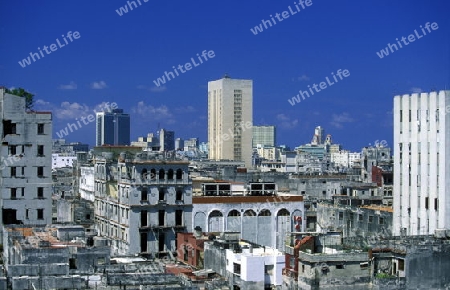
141	202
421	163
230	119
112	128
26	171
166	140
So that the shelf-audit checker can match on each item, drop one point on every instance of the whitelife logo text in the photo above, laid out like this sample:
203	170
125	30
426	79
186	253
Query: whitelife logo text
411	38
184	68
35	56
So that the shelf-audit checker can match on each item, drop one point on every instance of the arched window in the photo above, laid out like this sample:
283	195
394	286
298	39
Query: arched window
153	174
170	174
144	174
179	174
249	212
265	212
234	213
162	174
283	212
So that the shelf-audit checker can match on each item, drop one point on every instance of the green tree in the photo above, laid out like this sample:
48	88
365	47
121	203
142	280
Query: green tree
23	93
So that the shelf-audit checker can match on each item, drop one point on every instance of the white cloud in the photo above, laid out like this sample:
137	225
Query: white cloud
98	85
158	89
152	89
71	86
155	113
187	109
69	111
287	122
339	119
303	77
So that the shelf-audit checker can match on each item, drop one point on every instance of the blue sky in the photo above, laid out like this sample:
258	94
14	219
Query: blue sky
117	58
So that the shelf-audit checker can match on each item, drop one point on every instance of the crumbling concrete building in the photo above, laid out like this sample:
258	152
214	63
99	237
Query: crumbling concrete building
26	150
50	257
142	202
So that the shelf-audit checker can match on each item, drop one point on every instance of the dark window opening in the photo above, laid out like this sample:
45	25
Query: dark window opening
179	195
161	194
236	268
40	214
161	216
426	202
179	174
72	263
10	216
88	216
40	150
436	204
401	265
152	174
144	195
161	174
161	242
13	193
8	127
143	218
13	171
340	266
170	174
12	149
40	129
40	171
40	192
179	217
143	242
144	174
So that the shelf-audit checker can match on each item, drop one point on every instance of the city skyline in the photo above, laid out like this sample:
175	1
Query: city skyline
117	59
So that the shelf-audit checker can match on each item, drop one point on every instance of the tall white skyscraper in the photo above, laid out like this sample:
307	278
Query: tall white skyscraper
113	128
421	163
230	119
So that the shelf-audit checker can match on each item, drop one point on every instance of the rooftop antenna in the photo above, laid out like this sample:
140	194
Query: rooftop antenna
226	76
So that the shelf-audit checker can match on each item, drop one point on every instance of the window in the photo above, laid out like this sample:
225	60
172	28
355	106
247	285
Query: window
13	193
426	202
40	192
341	216
161	216
143	218
360	217
401	265
236	268
161	194
144	195
72	263
179	195
179	217
40	171
381	221
436	204
40	129
12	150
40	214
40	150
370	219
340	266
27	214
13	171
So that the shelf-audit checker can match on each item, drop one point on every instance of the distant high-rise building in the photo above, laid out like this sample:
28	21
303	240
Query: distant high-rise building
319	135
421	163
113	128
179	144
26	169
191	144
264	135
230	119
166	140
